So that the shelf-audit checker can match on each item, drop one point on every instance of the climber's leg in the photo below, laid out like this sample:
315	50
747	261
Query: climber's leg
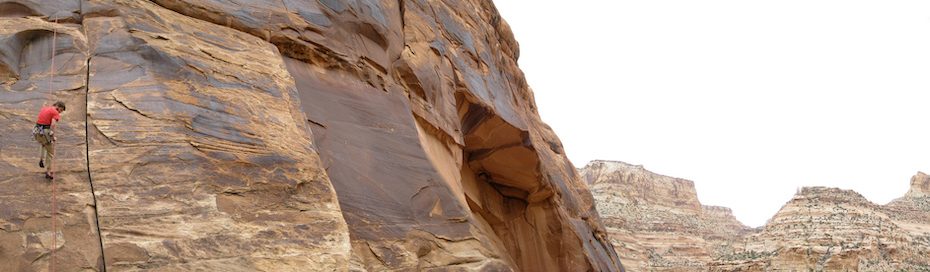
41	156
47	153
43	141
49	158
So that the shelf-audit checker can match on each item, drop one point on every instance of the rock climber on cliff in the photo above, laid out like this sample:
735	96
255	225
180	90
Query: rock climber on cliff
49	116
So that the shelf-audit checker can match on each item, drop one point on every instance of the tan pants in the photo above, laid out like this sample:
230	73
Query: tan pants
47	148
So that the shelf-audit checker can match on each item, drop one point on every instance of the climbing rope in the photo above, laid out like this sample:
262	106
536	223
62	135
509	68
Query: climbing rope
51	79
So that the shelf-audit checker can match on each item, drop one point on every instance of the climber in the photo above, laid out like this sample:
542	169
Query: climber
44	134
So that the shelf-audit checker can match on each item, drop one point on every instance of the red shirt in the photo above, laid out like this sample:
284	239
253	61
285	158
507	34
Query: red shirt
47	114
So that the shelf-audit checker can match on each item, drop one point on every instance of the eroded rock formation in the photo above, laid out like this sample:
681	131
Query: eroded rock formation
281	135
656	222
829	229
819	229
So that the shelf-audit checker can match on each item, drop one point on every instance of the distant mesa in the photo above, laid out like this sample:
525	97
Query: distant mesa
657	224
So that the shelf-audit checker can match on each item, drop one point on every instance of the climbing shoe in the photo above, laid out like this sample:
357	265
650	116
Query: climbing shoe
41	164
49	176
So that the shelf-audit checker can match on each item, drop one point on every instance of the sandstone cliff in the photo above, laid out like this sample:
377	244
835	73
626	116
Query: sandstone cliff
819	229
656	222
281	135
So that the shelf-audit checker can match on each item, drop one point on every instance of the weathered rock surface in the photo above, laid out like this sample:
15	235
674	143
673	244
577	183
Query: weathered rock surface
920	186
199	154
656	222
913	206
282	135
829	229
820	229
30	229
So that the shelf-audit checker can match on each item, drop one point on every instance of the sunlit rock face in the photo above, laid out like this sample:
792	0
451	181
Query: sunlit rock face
819	229
270	135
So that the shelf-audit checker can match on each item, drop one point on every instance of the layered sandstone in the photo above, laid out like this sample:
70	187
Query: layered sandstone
268	135
656	222
829	229
913	206
819	229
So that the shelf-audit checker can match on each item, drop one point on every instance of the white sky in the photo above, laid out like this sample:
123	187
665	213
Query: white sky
750	99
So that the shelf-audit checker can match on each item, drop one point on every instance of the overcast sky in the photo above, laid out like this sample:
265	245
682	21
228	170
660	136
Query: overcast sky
750	99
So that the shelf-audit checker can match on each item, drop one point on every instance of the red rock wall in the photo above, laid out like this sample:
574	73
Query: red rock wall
29	229
284	135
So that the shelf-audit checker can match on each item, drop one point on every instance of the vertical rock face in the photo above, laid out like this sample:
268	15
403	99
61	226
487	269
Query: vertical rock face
188	172
656	222
30	229
280	135
199	154
820	229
